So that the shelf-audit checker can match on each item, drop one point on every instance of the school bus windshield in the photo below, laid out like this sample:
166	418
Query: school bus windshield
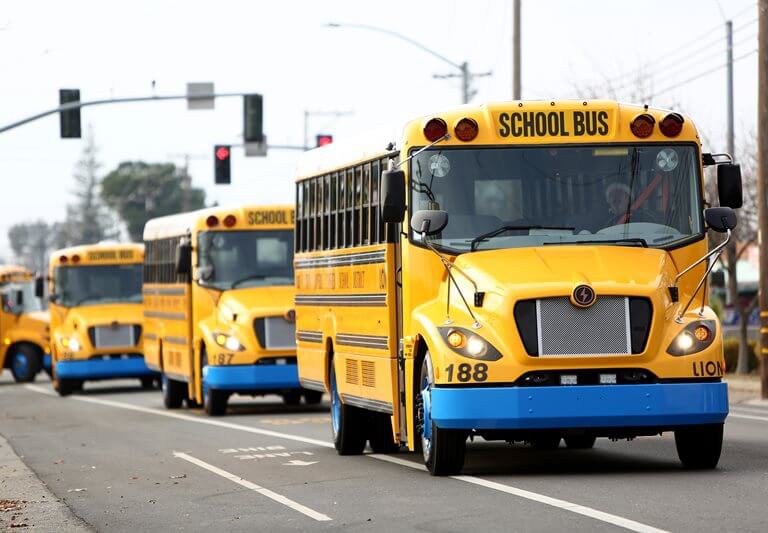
97	285
645	195
239	259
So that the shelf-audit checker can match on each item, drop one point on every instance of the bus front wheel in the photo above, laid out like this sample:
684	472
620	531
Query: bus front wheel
443	449
26	362
216	402
65	387
313	397
346	423
174	392
699	447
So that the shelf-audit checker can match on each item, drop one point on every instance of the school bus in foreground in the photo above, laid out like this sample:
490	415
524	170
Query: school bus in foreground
96	314
24	326
218	294
518	271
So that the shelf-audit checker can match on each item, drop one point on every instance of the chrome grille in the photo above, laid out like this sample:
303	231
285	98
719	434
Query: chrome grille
116	336
566	330
275	333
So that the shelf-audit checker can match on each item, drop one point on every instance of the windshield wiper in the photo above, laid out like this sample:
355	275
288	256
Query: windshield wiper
246	278
631	240
498	231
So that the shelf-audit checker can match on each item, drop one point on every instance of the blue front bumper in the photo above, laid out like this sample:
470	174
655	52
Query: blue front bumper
662	404
47	361
133	367
251	377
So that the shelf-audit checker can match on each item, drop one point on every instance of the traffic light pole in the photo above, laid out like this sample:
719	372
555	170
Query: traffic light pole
77	105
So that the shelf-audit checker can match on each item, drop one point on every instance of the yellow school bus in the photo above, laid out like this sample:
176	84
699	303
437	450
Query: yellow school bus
23	325
218	295
519	271
96	314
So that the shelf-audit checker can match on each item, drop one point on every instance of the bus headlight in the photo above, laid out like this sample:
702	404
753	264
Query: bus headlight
228	342
469	344
71	343
695	337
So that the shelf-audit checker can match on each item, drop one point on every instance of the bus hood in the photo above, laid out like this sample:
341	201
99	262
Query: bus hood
100	315
252	302
522	273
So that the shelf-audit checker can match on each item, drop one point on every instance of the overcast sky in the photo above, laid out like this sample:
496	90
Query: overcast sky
282	50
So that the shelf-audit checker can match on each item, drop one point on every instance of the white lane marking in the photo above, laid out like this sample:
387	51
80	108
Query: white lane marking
190	418
536	497
747	417
750	410
279	498
41	390
561	504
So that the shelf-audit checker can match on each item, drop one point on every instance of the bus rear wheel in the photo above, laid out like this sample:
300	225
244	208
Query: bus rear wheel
443	449
65	387
346	423
699	447
313	397
174	392
580	442
26	362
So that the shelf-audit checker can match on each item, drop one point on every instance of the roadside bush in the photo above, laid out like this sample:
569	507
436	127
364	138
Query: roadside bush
731	352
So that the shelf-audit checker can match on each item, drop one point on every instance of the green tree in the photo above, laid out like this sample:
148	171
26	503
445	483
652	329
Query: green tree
86	220
139	191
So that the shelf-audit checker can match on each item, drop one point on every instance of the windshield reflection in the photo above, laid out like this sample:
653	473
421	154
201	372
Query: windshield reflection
238	259
97	285
520	197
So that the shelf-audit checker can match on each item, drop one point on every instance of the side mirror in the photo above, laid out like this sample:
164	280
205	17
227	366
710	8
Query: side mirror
53	297
19	300
184	258
39	286
729	185
392	196
428	222
720	219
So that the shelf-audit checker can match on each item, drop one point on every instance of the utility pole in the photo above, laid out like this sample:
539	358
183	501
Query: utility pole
729	92
516	50
762	185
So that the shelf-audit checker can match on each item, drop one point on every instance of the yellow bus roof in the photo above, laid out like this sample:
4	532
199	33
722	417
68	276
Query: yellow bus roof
102	253
508	123
246	216
14	272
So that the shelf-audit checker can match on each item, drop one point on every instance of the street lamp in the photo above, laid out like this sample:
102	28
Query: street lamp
464	73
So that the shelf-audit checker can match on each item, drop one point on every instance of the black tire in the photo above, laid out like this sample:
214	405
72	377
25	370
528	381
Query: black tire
380	435
292	398
347	423
313	397
174	392
65	387
444	450
580	442
25	362
216	402
546	442
699	447
148	383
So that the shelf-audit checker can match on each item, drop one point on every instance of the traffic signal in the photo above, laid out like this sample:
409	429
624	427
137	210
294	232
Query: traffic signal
323	139
69	120
222	153
253	118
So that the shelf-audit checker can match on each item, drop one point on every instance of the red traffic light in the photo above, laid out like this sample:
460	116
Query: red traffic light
324	139
222	153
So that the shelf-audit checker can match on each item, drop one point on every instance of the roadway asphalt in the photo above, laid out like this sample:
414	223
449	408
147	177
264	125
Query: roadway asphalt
121	462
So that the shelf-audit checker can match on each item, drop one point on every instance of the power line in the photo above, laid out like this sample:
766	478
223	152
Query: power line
700	75
672	60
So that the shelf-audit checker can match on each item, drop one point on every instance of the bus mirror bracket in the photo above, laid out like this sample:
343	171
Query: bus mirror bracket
722	220
39	287
427	223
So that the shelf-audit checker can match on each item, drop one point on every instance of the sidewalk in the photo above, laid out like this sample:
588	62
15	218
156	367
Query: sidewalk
743	388
26	504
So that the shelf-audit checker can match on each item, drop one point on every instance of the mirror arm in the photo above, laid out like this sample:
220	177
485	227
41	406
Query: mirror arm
420	150
448	267
716	251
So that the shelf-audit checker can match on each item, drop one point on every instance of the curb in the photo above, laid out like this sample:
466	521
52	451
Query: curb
27	504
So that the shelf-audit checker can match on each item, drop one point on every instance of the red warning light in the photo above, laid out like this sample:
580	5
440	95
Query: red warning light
324	139
222	153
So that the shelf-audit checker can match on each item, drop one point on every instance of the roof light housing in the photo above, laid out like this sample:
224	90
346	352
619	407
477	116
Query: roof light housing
672	124
466	129
212	221
435	129
642	125
230	221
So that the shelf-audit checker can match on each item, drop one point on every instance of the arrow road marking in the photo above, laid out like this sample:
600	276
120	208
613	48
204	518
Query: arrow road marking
298	462
279	498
